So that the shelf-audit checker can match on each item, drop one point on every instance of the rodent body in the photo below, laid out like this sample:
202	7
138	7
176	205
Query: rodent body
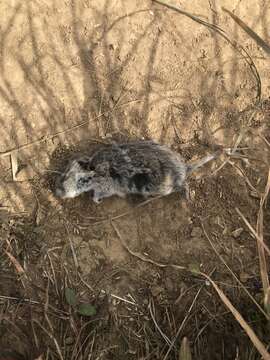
140	167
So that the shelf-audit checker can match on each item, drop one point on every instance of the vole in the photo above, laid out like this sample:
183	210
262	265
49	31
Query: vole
139	167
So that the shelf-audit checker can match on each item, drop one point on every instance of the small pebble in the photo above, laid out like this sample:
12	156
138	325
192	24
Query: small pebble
236	233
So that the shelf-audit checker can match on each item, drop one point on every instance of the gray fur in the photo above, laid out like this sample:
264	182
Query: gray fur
139	167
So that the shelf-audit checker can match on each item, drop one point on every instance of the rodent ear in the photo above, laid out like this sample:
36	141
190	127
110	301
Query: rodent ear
85	164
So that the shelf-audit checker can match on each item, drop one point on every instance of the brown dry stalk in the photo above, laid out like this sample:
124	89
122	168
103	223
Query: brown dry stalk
51	336
249	31
261	251
242	173
71	246
16	263
267	301
253	232
251	334
183	322
14	165
164	336
265	140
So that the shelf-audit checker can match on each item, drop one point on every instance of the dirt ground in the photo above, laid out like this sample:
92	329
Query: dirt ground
76	74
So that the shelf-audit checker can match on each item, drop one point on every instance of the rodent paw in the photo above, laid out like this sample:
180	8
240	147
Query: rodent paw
97	200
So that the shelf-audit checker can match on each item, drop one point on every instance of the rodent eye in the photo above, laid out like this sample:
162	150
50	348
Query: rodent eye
84	180
85	165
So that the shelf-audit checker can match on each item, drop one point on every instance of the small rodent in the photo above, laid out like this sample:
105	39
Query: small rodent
139	167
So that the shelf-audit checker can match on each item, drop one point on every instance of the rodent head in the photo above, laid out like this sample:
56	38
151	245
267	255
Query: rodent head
77	179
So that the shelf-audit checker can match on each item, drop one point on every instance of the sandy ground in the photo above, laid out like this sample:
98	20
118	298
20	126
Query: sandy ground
74	74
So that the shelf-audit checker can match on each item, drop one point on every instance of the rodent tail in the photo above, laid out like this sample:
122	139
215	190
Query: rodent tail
197	164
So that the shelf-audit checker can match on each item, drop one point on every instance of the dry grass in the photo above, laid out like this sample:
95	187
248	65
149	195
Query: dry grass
132	327
249	331
60	333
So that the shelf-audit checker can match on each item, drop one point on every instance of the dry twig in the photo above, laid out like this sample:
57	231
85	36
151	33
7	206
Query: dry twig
233	274
253	232
261	251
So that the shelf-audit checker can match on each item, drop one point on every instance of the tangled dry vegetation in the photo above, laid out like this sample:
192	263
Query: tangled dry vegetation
159	279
